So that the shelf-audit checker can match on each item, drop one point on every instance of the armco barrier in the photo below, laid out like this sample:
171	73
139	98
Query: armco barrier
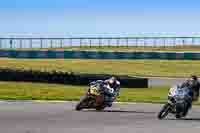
67	78
100	55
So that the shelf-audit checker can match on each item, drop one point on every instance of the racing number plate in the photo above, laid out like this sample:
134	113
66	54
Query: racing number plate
93	90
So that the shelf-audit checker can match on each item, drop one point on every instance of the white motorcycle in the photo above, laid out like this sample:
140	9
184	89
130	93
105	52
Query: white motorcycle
179	102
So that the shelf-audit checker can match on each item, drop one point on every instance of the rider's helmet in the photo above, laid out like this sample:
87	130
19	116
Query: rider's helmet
112	81
193	79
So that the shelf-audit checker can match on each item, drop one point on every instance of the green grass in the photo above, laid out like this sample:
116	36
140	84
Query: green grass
125	48
38	91
165	68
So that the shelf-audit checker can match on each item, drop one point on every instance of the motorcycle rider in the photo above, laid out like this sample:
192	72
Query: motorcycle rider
111	84
193	84
114	85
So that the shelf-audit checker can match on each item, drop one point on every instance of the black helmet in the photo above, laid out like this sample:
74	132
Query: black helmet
194	77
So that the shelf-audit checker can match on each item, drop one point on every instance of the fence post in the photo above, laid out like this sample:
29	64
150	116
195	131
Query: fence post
109	42
136	41
61	42
118	42
183	42
164	42
90	43
51	43
144	42
127	42
0	43
174	42
70	42
99	42
193	42
154	42
20	43
41	43
80	42
11	43
31	43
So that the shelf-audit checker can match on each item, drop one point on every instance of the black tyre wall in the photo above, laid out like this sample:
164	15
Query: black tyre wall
7	74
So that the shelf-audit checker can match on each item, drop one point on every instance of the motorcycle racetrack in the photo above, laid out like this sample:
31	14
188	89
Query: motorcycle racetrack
50	117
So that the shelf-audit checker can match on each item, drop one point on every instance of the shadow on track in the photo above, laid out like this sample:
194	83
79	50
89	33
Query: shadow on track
120	111
184	119
192	119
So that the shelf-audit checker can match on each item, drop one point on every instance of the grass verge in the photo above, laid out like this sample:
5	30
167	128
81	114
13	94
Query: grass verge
163	68
38	91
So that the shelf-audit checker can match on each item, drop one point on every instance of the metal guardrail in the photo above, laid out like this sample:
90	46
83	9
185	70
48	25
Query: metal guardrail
12	43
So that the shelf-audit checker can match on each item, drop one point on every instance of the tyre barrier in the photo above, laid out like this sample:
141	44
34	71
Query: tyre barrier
7	74
126	81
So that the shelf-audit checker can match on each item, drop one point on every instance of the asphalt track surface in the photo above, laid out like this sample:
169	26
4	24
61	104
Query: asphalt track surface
29	117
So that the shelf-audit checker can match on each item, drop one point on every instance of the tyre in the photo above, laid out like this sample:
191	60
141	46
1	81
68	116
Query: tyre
82	103
179	110
178	116
99	108
164	111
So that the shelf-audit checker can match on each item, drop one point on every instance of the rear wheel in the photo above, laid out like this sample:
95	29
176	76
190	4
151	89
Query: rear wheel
100	108
164	111
178	116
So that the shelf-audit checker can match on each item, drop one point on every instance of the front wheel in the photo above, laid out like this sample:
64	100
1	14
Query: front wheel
164	111
82	103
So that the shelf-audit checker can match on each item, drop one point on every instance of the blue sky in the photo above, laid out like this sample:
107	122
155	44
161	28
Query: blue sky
99	17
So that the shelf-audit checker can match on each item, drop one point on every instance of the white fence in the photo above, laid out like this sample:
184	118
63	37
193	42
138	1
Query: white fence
13	43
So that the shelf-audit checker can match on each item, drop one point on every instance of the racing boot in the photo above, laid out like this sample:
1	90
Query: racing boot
108	101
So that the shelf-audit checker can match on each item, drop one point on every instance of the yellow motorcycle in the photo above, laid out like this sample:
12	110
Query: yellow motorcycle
94	99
